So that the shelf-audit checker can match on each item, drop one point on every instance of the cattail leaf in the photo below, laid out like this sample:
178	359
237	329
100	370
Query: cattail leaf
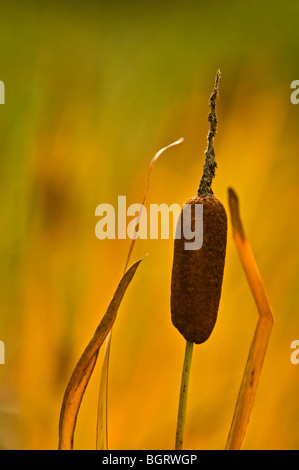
151	167
259	344
247	258
102	420
85	366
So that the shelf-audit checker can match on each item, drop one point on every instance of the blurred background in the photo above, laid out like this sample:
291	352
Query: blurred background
93	90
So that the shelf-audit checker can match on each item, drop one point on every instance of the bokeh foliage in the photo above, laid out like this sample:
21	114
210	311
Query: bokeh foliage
93	90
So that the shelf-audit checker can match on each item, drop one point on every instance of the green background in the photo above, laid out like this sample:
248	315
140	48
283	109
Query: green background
93	90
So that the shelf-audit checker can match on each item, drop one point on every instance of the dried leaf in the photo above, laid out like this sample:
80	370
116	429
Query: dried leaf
151	167
261	336
84	368
102	420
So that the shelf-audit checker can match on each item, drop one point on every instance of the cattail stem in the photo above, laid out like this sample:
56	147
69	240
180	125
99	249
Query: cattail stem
183	396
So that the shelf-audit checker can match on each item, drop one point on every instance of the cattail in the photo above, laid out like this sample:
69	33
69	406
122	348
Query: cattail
197	273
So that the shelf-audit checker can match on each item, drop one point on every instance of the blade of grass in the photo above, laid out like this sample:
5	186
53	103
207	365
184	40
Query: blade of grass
85	366
102	419
102	423
262	333
151	168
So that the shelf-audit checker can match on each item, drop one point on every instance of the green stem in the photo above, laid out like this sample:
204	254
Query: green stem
183	396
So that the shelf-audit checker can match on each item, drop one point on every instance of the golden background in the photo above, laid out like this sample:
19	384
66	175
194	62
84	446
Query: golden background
93	90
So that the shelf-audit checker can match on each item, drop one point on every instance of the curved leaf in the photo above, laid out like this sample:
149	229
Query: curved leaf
84	368
102	420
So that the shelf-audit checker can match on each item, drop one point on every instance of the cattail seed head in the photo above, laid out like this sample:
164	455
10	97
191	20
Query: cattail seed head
197	274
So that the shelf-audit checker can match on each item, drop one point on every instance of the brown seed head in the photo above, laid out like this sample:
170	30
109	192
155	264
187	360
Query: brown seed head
197	274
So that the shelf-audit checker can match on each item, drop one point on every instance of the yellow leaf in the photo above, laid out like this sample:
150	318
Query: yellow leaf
102	420
261	336
84	368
